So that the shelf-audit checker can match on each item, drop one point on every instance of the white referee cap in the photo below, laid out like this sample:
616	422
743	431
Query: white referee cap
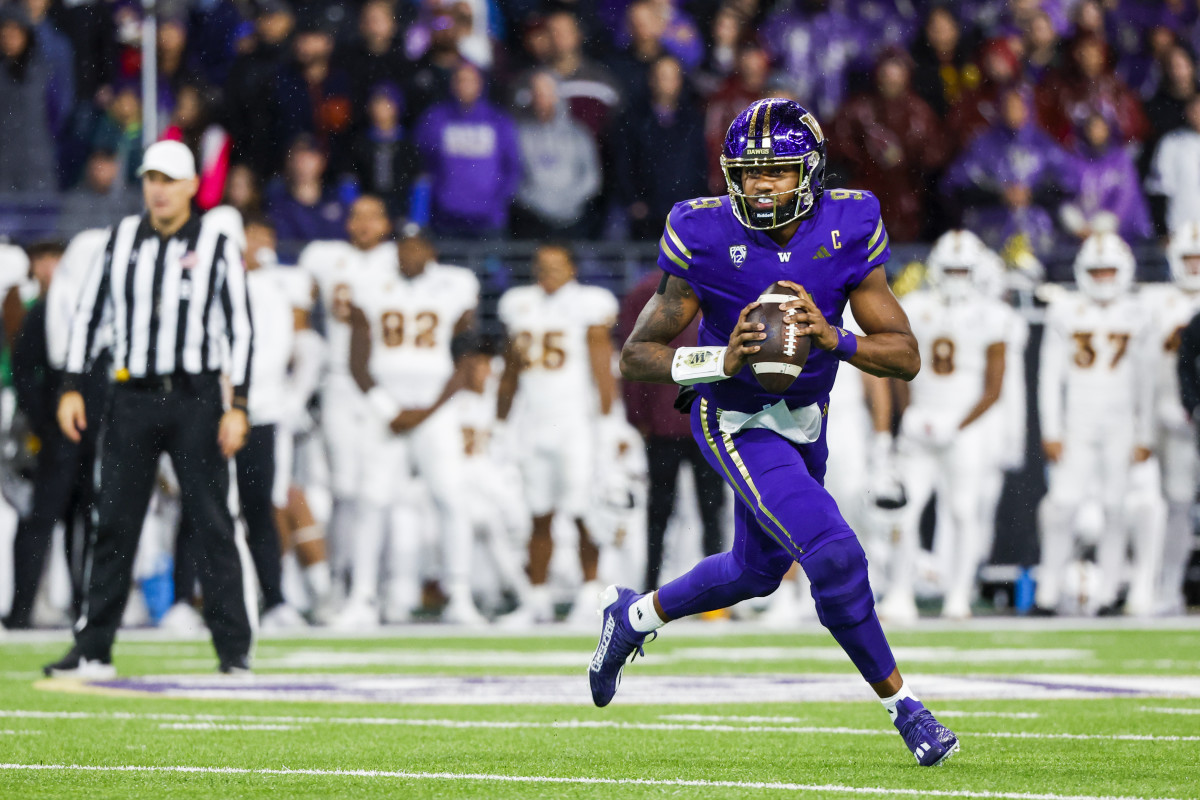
171	158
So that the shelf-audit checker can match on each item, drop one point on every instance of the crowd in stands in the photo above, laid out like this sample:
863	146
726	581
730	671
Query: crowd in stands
1038	119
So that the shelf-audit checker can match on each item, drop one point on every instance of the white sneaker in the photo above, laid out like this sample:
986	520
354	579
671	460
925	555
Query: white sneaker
897	610
183	619
281	618
788	607
73	665
586	608
956	610
358	615
461	610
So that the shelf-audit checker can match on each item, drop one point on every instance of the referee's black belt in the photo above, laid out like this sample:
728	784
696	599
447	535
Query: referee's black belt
165	384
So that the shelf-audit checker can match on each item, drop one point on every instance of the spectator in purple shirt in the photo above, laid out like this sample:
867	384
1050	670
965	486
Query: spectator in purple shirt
1009	176
469	147
1110	196
818	43
299	203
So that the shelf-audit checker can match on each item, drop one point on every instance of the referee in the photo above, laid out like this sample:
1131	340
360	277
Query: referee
174	289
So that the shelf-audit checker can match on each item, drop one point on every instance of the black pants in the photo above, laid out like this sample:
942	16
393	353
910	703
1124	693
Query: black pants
62	491
141	424
255	477
665	456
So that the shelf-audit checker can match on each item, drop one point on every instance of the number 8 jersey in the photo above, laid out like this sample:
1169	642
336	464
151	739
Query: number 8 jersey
953	337
550	333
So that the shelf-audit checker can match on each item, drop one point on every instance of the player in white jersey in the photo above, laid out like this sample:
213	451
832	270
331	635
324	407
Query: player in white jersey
961	332
336	267
489	486
299	532
1172	307
1095	391
402	325
556	390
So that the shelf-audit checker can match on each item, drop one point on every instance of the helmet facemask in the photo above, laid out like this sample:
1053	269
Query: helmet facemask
1104	251
811	166
1183	255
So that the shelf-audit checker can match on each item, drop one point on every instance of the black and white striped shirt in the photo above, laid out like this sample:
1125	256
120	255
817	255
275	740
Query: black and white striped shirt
175	305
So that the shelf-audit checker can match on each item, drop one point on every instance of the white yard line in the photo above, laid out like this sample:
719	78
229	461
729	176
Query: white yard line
551	779
701	727
213	726
796	720
1158	710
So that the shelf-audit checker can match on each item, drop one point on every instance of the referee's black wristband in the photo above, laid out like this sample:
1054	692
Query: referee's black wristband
240	404
70	383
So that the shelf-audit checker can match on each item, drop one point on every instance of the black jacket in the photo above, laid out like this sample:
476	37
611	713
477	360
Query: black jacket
37	385
1189	367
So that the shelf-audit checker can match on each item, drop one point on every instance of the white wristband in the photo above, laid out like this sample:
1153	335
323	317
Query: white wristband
383	403
698	365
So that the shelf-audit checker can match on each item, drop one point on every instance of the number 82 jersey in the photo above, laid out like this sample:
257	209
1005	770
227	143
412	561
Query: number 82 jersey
412	323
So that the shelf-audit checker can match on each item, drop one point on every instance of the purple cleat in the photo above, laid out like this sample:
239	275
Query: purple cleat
931	742
618	640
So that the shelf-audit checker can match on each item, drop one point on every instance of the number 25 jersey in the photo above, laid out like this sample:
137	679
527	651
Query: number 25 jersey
550	333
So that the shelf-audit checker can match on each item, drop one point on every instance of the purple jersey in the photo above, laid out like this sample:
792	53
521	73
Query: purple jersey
728	266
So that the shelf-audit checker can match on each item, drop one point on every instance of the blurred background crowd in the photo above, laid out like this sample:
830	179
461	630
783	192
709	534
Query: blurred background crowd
587	119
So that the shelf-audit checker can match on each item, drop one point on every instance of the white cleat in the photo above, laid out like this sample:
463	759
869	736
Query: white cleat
461	610
280	619
897	611
182	619
587	605
523	618
358	615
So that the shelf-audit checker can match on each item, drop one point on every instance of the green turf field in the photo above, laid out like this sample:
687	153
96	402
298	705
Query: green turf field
714	711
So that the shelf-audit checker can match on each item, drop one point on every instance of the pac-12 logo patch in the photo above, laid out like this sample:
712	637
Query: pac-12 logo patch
737	254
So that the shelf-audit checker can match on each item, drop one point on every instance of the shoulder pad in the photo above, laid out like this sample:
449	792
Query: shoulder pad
680	231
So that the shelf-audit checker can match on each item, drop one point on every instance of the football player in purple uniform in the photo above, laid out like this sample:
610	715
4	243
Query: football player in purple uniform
718	254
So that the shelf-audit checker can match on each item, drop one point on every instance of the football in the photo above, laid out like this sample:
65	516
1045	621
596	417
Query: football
783	353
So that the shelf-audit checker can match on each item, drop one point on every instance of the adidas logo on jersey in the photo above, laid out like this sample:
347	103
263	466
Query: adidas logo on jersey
822	253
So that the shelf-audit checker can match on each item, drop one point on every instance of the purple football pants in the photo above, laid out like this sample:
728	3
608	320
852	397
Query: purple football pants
783	515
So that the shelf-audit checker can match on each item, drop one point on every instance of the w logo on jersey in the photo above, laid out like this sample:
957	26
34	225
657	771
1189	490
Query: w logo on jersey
785	257
737	254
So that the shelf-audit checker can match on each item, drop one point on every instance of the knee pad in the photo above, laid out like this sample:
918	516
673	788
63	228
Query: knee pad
838	573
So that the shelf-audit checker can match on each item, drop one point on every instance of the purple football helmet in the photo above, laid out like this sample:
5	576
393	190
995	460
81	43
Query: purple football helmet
774	133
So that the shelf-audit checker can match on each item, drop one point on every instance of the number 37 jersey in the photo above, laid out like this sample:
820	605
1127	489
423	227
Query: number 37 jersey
1096	368
549	332
412	322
